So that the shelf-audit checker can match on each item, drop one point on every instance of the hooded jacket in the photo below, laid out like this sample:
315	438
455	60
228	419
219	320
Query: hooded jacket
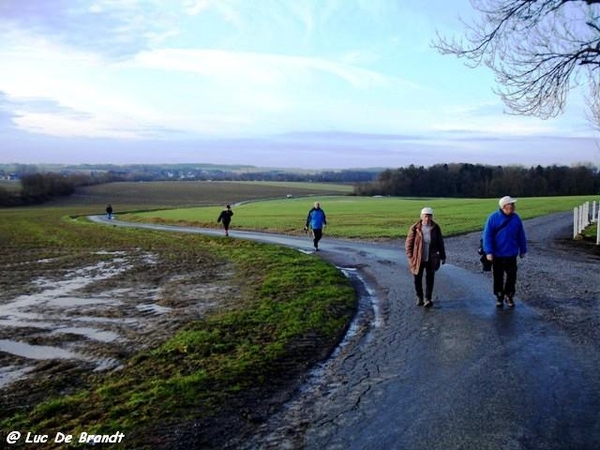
414	245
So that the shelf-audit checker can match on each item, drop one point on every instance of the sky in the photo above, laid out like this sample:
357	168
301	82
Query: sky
311	84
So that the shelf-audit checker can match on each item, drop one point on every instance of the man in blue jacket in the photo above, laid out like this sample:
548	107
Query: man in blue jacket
504	240
316	220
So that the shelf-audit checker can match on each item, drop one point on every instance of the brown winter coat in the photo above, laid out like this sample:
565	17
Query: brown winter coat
414	245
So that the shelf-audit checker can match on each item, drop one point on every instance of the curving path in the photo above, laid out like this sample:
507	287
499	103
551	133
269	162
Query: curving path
462	375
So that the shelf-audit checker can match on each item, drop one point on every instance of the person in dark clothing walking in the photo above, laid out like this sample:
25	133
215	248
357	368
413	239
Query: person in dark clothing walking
504	240
225	218
109	211
425	252
315	221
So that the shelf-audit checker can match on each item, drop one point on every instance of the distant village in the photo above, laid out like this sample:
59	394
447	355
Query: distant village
197	172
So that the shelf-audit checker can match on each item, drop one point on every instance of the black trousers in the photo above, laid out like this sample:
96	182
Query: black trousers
426	267
317	235
505	275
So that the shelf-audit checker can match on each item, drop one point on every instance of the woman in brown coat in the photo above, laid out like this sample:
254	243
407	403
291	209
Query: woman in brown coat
425	251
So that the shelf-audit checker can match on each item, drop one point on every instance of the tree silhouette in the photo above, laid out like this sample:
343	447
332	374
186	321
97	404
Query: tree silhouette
538	49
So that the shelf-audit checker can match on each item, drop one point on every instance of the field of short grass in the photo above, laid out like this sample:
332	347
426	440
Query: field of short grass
359	217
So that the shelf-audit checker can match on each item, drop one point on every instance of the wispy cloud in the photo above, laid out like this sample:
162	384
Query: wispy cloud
267	69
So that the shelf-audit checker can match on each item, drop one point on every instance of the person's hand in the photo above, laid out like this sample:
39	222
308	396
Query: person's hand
489	257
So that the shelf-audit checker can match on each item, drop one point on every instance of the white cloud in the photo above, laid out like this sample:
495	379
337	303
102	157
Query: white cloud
66	126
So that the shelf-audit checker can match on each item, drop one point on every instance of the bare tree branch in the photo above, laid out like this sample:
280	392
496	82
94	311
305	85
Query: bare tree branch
539	51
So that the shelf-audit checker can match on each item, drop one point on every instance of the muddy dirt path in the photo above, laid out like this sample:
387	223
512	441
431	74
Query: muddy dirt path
461	375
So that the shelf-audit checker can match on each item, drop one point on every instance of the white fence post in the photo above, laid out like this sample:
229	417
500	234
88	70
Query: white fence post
598	228
585	215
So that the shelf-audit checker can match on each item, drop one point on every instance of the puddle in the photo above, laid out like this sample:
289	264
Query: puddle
58	310
368	299
37	352
92	333
153	309
9	374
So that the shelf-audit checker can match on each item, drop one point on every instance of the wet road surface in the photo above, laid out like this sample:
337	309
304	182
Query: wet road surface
461	375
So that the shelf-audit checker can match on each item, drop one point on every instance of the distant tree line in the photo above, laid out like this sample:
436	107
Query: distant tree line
158	173
38	188
481	181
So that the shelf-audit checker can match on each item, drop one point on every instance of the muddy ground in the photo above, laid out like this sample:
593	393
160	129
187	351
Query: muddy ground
70	315
66	316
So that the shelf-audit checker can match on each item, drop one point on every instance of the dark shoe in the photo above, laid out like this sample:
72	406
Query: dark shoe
510	302
499	301
428	303
419	301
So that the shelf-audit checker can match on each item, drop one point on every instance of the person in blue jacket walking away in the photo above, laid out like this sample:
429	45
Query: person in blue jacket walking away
316	220
504	240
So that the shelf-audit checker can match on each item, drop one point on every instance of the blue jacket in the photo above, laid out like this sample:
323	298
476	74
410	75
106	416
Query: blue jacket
316	219
506	242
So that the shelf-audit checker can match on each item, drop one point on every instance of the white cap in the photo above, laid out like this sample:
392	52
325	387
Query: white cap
426	210
507	200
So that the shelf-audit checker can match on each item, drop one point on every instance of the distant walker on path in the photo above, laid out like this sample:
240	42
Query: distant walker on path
225	218
109	211
315	221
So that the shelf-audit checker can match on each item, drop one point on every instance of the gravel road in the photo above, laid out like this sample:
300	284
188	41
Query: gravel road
558	277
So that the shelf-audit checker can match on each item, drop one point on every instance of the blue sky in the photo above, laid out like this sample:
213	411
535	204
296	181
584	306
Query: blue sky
315	84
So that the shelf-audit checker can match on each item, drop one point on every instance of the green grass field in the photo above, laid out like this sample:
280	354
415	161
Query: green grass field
359	217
